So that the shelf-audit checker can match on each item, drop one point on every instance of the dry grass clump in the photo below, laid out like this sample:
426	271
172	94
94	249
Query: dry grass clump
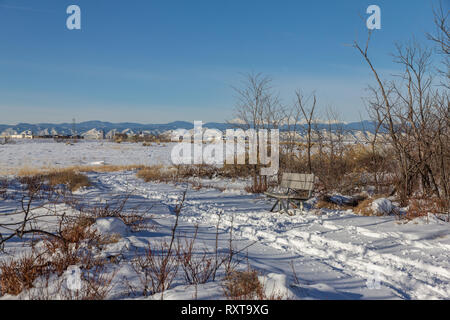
77	230
17	275
20	274
421	207
245	285
70	177
365	207
29	171
157	173
23	274
322	204
109	168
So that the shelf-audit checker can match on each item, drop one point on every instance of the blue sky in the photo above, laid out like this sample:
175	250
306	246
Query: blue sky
158	61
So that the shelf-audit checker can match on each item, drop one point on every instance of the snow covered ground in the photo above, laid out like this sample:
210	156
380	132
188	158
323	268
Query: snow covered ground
49	154
335	254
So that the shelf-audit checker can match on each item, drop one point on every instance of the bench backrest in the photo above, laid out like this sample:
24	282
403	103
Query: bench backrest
298	181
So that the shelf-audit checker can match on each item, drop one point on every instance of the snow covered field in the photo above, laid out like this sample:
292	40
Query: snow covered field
335	254
48	154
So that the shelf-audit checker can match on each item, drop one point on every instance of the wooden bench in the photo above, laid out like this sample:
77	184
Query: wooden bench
299	189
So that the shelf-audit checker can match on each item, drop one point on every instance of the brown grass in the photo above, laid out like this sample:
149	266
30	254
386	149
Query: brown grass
73	176
69	177
56	256
157	173
20	274
28	171
348	170
73	180
421	207
3	188
245	285
322	204
365	207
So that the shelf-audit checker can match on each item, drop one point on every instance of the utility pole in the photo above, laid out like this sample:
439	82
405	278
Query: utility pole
74	130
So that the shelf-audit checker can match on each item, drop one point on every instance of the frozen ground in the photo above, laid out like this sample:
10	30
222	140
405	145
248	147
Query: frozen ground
336	254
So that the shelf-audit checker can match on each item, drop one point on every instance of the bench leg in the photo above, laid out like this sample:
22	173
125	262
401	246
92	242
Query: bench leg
291	203
285	205
271	210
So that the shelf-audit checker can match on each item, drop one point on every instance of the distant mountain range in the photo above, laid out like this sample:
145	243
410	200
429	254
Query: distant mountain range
129	127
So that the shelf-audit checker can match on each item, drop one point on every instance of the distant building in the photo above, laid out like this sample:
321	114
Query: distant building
111	134
128	132
94	134
24	135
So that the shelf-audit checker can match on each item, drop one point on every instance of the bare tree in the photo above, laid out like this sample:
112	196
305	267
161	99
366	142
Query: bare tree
410	109
258	107
307	107
441	37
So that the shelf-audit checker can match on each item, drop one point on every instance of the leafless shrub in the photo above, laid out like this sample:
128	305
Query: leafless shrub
199	267
159	265
36	203
414	111
138	222
96	285
19	274
157	268
4	183
422	207
136	219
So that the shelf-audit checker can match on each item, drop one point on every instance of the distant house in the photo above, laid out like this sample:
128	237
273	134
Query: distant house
145	134
94	134
128	132
111	134
24	135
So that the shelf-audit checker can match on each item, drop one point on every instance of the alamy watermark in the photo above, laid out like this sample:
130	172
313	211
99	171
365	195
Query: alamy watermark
211	146
374	280
73	22
73	278
374	20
